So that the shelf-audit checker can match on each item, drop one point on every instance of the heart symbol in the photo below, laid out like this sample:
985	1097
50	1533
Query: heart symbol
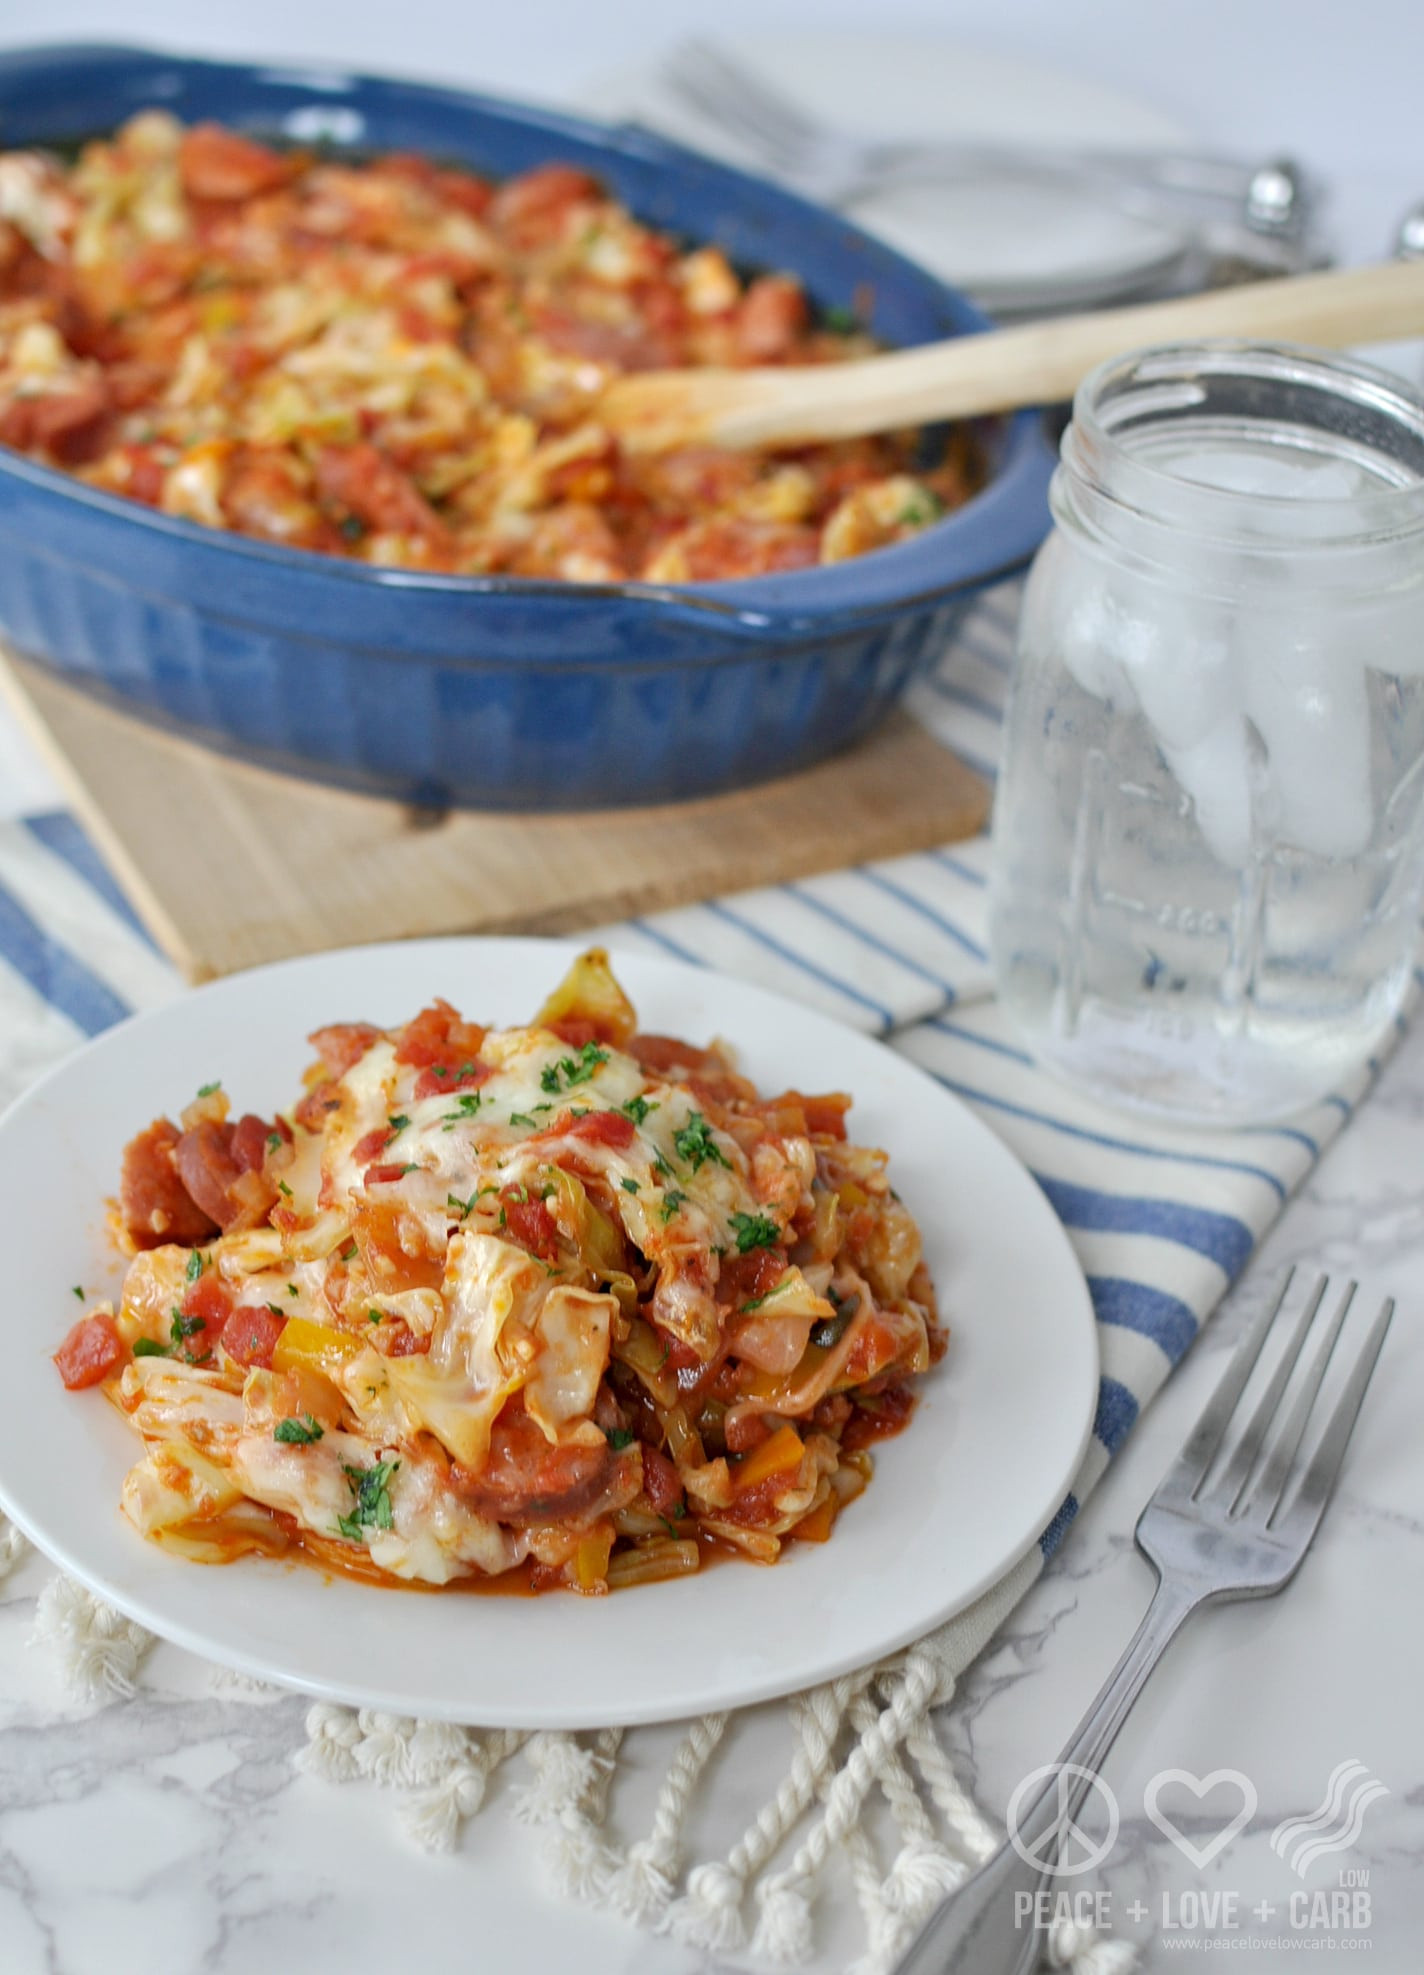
1200	1786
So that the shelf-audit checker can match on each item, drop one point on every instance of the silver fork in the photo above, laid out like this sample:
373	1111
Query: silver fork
1225	1523
1271	198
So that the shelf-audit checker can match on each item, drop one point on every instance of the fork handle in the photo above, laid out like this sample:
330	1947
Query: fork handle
988	1926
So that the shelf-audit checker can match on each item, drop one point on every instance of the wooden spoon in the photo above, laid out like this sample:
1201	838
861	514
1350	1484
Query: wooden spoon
998	369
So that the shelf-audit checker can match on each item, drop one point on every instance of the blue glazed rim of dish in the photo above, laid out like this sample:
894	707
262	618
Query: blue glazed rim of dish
989	537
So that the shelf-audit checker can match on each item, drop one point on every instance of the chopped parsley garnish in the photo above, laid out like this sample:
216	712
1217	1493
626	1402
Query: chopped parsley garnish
196	1264
629	1185
522	1118
276	1309
282	1187
375	1316
78	1290
466	1105
466	1070
144	1347
754	1231
184	1327
293	1432
292	1289
348	1253
275	1141
209	1090
397	1124
637	1108
439	1070
411	1166
618	1437
696	1145
841	319
671	1202
370	1489
462	1207
572	1069
352	527
921	508
660	1165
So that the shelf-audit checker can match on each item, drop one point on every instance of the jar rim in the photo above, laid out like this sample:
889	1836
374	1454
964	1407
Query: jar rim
1175	377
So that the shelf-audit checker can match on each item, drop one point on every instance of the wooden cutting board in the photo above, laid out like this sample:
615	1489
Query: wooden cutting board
230	865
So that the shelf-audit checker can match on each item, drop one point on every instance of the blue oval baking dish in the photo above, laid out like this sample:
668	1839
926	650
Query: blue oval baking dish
498	692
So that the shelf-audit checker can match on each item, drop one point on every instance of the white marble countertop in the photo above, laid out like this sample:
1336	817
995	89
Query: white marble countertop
172	1833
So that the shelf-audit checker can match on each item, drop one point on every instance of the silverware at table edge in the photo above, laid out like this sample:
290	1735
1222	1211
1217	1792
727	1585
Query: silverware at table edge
1273	198
1224	1524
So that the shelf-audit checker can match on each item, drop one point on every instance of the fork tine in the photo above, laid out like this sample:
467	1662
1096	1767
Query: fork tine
1302	1518
729	115
1266	1495
739	83
1237	1471
1197	1456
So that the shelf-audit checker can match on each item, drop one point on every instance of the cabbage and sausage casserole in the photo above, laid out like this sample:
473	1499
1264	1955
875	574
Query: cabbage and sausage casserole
399	362
564	1305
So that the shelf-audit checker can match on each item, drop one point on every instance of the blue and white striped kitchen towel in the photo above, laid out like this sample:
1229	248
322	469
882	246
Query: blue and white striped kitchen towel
1162	1222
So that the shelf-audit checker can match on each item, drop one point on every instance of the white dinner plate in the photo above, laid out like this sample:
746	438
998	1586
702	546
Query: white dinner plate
956	1499
1016	244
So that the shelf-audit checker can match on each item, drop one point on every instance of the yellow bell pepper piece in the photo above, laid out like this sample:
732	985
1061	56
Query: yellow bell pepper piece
305	1346
779	1455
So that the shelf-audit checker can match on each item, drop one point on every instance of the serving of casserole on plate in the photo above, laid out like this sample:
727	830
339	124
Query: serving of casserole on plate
566	1301
540	1304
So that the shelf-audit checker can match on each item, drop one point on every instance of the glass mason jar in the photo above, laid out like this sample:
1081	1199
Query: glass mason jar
1209	829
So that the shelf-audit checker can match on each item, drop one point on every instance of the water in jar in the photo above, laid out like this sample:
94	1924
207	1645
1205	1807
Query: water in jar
1208	852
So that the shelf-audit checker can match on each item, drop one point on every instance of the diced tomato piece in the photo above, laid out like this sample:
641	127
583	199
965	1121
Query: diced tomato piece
250	1335
211	1301
745	1278
219	164
440	1036
531	1224
89	1353
660	1483
677	1353
341	1045
383	1175
365	1149
442	1080
596	1127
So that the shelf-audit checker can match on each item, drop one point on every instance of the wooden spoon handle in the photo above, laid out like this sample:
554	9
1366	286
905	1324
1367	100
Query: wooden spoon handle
1001	369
